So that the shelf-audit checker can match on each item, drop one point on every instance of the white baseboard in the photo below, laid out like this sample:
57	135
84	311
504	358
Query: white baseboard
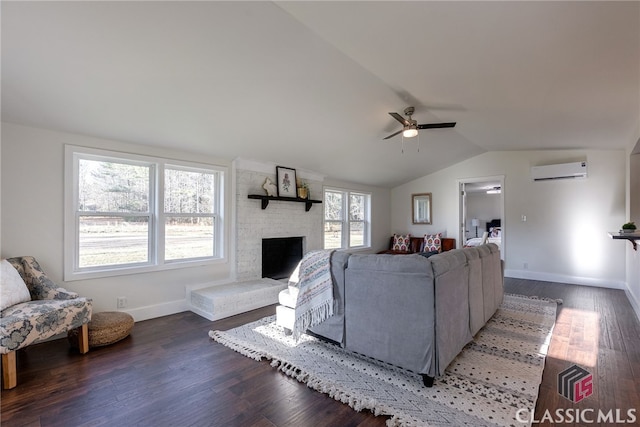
158	310
560	278
635	304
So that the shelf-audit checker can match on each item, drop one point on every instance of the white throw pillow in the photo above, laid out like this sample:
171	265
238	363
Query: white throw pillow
13	288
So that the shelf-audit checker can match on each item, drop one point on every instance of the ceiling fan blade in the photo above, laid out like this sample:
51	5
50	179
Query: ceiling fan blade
437	125
399	118
393	134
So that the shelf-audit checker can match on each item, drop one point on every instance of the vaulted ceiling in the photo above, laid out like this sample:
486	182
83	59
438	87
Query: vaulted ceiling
309	84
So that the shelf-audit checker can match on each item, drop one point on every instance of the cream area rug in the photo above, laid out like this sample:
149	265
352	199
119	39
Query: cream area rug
493	378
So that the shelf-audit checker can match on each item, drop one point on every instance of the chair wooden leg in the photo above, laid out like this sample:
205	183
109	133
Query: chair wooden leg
9	374
83	338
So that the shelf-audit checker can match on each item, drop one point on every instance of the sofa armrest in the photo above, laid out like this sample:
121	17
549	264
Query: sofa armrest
333	327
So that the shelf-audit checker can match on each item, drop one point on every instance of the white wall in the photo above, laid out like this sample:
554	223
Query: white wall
565	237
33	219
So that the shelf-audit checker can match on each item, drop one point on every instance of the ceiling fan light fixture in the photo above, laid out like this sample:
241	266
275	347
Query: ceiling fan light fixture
495	190
410	132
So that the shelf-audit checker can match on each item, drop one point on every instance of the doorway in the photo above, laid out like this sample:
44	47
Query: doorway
482	211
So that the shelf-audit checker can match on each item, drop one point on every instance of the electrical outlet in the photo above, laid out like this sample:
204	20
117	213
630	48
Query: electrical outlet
122	302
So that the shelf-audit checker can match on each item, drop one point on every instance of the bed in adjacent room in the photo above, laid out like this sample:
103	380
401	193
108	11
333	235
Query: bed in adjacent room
492	235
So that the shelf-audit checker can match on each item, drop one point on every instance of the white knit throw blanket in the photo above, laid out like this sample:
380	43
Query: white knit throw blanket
314	303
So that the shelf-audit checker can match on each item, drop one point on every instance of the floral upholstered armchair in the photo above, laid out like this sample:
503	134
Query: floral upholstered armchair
46	310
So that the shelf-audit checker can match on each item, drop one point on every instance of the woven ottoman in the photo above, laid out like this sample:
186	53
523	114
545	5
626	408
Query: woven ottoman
105	328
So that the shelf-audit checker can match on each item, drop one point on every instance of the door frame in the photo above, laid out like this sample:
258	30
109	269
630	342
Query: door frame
462	205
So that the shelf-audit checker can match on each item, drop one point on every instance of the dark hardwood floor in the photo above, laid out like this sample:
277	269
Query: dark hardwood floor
169	373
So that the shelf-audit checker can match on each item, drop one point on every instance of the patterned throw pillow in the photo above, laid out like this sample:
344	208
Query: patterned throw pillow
401	242
433	242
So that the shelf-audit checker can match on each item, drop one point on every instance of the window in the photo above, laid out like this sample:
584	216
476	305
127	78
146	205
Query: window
346	219
127	213
189	208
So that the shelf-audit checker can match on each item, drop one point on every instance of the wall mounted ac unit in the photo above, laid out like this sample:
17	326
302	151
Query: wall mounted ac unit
559	171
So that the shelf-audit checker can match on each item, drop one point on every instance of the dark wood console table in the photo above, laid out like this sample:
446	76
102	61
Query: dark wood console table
266	199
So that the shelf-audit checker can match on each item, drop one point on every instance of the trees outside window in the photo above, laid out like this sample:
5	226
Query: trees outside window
346	219
130	212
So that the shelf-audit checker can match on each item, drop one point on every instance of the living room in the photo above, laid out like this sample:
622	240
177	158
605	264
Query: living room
294	88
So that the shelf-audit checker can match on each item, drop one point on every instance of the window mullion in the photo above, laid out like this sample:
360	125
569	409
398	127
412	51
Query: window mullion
345	220
159	216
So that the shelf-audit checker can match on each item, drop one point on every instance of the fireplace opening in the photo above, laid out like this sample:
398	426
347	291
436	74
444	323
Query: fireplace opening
280	256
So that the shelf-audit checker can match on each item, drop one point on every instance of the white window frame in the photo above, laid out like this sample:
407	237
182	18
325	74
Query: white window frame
345	220
156	214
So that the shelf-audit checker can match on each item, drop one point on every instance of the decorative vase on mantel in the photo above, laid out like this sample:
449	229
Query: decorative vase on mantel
303	192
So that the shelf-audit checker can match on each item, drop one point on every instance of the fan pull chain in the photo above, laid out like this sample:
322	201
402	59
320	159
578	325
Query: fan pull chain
418	142
402	146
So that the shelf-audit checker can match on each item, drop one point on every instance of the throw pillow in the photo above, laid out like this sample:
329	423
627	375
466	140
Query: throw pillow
12	287
401	242
433	242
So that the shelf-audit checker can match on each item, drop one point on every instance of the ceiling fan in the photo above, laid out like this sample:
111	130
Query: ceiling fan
410	126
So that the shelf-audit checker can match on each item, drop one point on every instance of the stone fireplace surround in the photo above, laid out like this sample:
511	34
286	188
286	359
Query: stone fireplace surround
249	290
279	219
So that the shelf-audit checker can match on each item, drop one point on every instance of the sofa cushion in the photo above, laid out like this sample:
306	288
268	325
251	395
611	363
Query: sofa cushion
401	242
432	242
412	263
13	290
447	261
476	298
451	285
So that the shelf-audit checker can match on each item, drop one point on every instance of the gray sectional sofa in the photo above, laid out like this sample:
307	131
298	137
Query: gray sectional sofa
408	310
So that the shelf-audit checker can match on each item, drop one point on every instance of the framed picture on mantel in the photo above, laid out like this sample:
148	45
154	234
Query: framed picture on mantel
286	182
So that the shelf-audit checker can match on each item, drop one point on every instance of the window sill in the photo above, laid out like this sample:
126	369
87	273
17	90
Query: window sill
70	276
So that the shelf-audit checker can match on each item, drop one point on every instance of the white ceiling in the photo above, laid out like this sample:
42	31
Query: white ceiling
309	84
